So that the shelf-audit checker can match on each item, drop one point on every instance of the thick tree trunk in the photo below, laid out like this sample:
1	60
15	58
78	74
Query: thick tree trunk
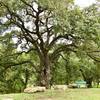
67	76
26	78
97	83
89	82
45	72
87	79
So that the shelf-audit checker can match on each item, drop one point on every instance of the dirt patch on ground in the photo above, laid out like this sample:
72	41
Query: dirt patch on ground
7	98
45	99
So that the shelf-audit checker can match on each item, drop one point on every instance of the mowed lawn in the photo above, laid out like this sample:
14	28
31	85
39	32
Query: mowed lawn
70	94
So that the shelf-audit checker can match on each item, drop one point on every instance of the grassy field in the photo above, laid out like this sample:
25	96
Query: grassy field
70	94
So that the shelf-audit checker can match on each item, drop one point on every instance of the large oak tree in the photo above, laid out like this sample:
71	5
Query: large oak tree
47	27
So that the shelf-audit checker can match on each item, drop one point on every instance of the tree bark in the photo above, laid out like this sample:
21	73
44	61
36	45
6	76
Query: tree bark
98	83
87	79
89	82
44	76
26	78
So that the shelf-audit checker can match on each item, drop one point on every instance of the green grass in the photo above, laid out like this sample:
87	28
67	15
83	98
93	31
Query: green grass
70	94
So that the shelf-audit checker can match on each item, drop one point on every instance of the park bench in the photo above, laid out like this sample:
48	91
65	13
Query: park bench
81	84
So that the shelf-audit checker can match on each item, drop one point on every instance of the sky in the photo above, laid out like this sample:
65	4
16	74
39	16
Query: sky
84	3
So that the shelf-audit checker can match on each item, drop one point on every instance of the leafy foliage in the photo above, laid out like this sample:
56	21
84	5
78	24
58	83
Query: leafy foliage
59	42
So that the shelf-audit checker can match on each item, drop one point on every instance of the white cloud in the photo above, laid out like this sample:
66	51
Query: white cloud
84	3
